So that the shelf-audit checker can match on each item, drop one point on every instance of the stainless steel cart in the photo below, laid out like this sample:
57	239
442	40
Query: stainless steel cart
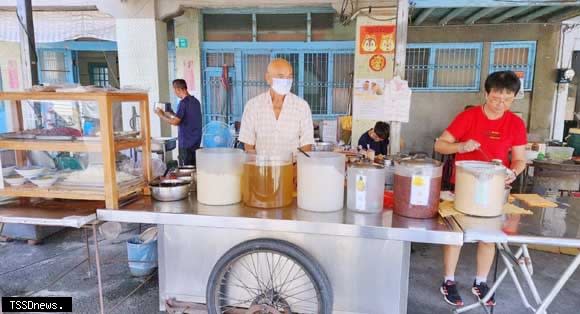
364	256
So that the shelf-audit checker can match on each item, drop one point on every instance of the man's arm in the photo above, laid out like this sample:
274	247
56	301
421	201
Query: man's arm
168	117
249	148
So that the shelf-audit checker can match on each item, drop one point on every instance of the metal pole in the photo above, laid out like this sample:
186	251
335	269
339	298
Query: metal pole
559	285
98	263
400	54
510	267
495	286
86	235
27	43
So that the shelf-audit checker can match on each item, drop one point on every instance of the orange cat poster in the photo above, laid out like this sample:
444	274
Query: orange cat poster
377	39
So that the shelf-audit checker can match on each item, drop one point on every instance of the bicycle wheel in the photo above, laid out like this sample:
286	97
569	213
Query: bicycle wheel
268	276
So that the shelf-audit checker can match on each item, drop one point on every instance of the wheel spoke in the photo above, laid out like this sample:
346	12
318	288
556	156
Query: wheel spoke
270	282
296	276
276	271
283	293
268	277
258	281
288	274
240	281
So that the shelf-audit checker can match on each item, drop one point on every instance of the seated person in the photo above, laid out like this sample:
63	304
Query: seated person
376	138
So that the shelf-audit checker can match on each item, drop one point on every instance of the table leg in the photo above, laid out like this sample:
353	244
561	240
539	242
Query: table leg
86	235
98	263
492	290
510	268
559	285
523	262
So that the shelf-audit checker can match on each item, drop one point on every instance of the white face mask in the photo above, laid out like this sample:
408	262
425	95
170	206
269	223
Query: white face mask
281	86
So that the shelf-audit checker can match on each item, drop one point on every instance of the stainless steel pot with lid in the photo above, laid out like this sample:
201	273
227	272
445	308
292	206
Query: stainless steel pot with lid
480	188
417	186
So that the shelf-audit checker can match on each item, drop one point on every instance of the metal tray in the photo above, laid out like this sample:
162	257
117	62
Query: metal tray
54	137
18	136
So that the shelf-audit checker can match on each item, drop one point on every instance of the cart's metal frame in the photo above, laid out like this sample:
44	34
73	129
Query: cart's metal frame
521	261
365	256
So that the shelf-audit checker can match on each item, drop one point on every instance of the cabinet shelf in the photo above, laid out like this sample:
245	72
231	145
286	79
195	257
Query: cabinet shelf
106	144
66	192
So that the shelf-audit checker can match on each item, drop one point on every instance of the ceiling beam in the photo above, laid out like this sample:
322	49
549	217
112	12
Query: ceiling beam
479	14
509	13
566	14
538	13
451	15
423	16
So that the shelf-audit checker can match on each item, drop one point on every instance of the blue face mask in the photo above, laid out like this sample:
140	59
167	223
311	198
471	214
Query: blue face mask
281	86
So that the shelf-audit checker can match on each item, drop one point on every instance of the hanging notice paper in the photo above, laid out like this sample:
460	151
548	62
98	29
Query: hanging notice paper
368	99
397	100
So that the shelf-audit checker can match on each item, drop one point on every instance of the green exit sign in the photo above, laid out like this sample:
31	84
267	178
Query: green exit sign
181	42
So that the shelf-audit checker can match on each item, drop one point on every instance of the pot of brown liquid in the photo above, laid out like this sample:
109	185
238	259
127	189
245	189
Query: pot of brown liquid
268	181
417	186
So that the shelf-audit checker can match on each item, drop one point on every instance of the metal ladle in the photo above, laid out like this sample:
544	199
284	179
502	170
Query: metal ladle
303	152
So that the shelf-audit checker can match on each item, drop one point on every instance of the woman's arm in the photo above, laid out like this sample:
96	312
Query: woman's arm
446	144
518	164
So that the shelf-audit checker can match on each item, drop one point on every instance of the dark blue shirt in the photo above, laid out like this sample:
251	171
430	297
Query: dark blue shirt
380	148
189	112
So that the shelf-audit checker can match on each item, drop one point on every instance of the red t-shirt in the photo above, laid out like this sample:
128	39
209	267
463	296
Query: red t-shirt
496	137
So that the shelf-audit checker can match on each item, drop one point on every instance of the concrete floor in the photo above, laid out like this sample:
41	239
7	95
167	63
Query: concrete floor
26	269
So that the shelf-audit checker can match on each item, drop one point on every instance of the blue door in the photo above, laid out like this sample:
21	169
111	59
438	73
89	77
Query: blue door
219	96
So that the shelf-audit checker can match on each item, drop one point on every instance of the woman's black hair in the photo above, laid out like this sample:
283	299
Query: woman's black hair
501	80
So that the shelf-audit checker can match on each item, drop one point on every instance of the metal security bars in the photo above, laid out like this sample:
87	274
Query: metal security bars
99	74
55	66
517	56
444	67
322	76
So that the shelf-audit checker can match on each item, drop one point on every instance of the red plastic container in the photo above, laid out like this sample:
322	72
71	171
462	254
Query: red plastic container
388	199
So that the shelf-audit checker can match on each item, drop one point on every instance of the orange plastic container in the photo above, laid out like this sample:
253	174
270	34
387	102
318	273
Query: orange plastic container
388	199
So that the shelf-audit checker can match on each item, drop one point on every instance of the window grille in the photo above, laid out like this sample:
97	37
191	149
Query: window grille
517	56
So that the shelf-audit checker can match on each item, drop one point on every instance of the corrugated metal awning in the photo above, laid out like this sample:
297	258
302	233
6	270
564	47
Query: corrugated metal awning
458	12
52	26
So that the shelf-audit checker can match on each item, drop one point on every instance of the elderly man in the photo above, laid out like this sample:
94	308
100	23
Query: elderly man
277	121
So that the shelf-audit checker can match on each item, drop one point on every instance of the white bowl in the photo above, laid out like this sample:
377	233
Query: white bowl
15	180
7	171
30	172
44	181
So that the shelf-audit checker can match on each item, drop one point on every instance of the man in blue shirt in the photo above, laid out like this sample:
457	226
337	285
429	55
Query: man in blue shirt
188	119
376	138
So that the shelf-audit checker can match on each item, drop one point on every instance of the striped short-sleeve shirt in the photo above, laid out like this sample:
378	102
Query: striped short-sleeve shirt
291	130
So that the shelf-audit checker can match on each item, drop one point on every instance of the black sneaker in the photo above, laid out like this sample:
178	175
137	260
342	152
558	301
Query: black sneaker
450	294
480	291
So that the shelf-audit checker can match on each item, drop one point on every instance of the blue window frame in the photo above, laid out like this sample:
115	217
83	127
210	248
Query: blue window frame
451	67
55	66
517	56
3	118
99	74
322	75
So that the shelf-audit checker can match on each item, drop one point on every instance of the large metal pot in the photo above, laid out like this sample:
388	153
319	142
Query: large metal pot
185	170
170	190
480	188
323	147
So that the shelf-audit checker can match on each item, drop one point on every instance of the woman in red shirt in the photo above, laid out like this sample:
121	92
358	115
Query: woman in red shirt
495	130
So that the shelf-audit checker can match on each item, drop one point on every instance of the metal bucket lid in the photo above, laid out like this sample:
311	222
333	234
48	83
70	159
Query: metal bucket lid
419	161
365	165
479	168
